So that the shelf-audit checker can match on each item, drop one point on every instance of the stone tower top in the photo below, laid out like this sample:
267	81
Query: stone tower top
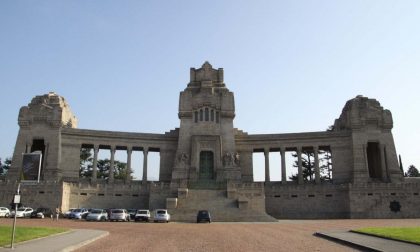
363	113
48	108
206	76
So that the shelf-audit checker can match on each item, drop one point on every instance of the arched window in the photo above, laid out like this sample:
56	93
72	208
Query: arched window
217	117
201	115
196	116
212	115
206	114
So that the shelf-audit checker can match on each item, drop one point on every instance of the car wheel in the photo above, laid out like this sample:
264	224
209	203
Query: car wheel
6	215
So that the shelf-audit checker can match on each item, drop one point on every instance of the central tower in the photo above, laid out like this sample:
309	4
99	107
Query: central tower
206	144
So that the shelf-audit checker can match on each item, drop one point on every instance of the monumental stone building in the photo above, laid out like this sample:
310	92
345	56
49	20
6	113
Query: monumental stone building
206	163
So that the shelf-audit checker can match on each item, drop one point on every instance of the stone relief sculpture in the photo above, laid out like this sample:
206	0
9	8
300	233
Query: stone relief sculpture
231	159
182	158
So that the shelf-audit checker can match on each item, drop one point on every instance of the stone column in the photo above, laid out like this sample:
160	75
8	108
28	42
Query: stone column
283	166
317	172
111	168
95	163
383	162
267	165
145	152
129	151
28	148
299	156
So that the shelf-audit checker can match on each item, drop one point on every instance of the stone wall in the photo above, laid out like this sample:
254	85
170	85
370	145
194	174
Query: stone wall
309	201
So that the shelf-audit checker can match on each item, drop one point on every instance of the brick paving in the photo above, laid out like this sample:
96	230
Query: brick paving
285	235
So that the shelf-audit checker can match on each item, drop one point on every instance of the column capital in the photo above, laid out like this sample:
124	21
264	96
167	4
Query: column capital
266	151
129	149
96	147
282	149
145	149
113	148
299	148
316	147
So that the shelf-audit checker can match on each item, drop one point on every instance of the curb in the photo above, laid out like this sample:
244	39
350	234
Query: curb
383	237
345	242
84	243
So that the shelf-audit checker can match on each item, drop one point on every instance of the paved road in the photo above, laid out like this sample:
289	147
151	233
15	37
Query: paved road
285	235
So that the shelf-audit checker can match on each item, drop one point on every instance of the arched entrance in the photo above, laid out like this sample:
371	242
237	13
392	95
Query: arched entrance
206	165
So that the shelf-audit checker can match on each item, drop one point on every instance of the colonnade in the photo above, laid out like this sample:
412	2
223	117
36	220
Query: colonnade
298	150
113	149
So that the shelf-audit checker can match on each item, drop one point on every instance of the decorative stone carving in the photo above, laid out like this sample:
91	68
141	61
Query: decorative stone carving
231	159
182	159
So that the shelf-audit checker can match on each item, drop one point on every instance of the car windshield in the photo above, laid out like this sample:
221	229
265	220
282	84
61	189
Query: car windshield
142	212
21	209
96	211
161	212
117	211
203	213
77	210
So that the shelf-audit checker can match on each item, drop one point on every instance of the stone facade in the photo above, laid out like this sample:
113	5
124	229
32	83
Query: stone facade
207	163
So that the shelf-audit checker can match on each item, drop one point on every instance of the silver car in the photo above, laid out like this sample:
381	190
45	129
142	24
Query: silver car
97	215
119	215
161	215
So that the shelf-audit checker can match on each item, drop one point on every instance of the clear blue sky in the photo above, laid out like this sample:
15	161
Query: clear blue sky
291	64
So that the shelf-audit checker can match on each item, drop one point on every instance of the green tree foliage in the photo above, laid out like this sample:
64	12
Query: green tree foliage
412	172
5	166
103	167
308	170
308	165
86	161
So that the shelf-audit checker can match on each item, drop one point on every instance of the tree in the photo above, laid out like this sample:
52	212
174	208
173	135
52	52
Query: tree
85	163
4	167
325	165
308	171
412	172
308	166
103	165
120	170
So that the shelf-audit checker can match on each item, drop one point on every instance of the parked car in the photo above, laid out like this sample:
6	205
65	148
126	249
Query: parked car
97	215
4	212
132	213
119	214
42	212
22	212
79	213
161	215
142	215
67	213
203	216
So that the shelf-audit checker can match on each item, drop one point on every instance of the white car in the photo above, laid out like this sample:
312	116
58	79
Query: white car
22	212
142	215
4	212
119	214
161	215
97	215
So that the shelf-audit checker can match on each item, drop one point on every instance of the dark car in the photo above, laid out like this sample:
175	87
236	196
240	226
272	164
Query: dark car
203	216
132	213
42	212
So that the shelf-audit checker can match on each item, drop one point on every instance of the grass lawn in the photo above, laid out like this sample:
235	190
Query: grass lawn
411	234
26	233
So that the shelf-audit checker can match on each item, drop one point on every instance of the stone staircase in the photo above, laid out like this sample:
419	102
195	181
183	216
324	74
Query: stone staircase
221	207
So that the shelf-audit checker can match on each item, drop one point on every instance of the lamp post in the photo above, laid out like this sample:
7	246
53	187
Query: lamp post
16	201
